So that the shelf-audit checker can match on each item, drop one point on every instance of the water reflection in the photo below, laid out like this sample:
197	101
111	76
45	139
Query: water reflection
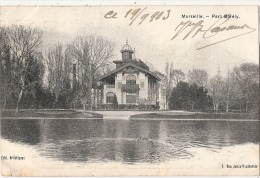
27	131
76	140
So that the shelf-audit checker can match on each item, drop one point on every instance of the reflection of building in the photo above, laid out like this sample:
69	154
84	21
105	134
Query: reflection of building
131	82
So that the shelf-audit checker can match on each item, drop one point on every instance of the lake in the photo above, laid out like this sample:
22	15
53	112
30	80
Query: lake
126	141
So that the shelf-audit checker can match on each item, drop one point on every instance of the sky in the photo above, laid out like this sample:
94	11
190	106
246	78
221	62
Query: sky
152	39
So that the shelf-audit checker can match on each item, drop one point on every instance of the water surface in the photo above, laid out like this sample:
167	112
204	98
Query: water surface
126	141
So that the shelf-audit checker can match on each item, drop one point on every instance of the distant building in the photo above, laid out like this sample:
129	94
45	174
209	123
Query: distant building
131	82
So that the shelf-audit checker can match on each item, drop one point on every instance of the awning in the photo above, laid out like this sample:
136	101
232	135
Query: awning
130	88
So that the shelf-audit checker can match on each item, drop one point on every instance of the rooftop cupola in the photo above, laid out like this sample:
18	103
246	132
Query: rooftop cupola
126	52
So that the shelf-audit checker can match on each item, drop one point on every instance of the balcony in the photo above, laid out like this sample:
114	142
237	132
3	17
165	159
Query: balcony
130	88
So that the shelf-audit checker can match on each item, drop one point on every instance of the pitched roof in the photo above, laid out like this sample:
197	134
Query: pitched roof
129	64
159	74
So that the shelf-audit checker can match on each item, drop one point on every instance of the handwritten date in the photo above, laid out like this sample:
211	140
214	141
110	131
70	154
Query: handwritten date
139	15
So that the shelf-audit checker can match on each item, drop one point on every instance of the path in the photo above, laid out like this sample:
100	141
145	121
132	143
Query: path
119	114
126	114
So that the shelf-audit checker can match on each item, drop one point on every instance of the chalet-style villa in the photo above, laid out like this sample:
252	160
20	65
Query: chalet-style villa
131	82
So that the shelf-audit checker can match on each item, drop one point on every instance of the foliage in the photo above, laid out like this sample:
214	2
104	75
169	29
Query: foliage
172	77
115	103
239	91
245	87
189	97
19	47
218	91
34	78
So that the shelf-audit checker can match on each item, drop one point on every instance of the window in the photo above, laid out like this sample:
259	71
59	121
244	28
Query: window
119	85
142	84
152	84
110	97
130	79
131	83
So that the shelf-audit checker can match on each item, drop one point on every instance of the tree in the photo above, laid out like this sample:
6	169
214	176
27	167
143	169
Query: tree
239	91
199	77
58	69
33	93
168	82
162	88
172	77
217	90
179	98
91	54
189	97
22	44
245	80
115	103
177	76
5	67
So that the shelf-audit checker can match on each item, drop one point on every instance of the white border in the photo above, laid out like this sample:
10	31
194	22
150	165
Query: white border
124	2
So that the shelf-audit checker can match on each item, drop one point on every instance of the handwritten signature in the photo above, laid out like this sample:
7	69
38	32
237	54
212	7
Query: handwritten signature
217	28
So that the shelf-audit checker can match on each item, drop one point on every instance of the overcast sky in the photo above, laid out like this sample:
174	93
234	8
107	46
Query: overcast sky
151	40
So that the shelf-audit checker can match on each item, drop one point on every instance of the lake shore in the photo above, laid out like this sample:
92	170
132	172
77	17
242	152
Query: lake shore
194	115
132	115
47	113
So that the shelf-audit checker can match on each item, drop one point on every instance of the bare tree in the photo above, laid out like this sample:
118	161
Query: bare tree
227	89
168	82
216	89
177	76
5	66
243	79
199	77
162	88
23	43
58	69
91	53
237	90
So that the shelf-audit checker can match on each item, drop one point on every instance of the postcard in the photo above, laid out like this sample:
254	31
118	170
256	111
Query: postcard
129	90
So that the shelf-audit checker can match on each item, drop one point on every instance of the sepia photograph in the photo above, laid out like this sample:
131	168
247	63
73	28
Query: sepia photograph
129	90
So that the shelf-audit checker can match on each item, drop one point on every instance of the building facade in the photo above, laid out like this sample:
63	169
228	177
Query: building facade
131	82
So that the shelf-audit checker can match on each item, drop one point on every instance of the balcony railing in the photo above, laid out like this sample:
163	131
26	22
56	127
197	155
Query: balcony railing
110	86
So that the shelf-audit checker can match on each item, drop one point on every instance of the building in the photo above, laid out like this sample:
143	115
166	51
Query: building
131	83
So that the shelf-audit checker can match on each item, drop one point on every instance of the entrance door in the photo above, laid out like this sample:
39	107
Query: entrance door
131	98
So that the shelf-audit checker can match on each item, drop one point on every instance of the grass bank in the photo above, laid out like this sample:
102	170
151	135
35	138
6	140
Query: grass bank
48	113
189	115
